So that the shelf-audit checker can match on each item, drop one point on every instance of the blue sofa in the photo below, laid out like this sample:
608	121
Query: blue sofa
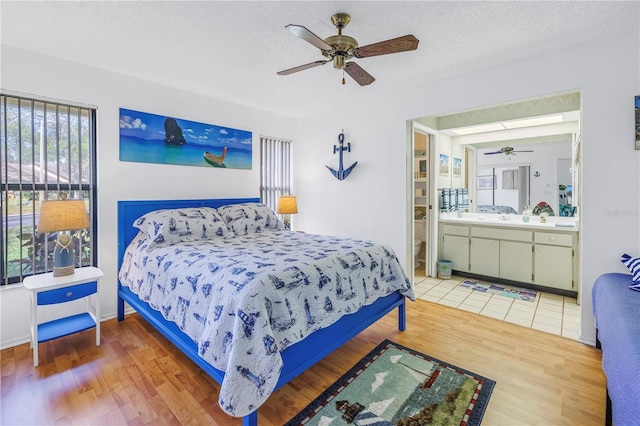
617	312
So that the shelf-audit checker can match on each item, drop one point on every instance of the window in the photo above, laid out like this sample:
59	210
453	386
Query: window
276	170
47	152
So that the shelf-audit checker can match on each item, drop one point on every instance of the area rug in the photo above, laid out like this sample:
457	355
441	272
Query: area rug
395	385
525	294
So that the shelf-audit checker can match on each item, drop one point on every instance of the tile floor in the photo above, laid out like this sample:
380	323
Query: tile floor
548	312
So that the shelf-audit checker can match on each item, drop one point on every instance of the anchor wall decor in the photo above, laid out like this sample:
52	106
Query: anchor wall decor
342	173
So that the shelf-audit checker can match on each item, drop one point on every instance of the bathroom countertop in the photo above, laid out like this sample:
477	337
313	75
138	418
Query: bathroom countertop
515	221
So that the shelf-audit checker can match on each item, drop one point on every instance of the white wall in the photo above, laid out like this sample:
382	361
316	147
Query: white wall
372	202
31	73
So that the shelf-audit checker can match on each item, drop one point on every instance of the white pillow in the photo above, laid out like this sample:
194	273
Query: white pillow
249	218
183	225
633	263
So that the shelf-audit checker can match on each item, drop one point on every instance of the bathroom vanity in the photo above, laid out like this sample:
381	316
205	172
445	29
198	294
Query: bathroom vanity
504	247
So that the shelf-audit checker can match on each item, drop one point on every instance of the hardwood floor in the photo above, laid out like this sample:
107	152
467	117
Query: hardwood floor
137	377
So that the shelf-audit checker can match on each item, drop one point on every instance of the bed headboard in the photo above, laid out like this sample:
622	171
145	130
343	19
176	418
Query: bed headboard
130	210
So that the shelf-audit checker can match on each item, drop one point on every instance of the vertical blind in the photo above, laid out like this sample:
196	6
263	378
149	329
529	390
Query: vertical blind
276	170
47	149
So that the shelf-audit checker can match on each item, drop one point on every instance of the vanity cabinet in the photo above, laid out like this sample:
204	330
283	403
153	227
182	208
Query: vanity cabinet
502	253
455	246
516	261
484	257
544	257
554	260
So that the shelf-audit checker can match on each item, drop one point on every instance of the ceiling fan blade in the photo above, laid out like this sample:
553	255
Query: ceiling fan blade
521	151
309	37
491	153
301	67
362	77
395	45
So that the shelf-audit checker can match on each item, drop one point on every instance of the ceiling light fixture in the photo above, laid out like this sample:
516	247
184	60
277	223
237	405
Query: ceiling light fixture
508	125
492	127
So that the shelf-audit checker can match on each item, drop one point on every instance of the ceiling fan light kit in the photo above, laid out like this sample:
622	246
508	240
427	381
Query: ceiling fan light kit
507	150
341	48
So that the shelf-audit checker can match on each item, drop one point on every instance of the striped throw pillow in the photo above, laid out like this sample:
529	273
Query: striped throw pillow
633	264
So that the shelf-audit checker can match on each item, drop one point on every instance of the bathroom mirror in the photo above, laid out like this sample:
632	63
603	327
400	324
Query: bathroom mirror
540	134
527	178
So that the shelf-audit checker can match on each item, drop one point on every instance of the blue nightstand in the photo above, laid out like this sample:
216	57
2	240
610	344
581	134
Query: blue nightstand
49	290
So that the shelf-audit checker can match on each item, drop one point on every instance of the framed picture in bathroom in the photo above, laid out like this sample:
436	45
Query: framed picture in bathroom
444	165
457	167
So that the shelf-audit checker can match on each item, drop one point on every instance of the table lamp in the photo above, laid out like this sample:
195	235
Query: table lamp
287	205
63	216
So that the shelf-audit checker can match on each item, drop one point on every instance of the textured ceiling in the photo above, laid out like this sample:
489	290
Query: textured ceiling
232	50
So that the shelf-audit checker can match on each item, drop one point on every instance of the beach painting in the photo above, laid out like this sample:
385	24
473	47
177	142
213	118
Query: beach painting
152	138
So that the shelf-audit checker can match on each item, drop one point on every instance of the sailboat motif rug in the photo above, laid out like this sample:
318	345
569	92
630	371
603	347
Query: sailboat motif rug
395	385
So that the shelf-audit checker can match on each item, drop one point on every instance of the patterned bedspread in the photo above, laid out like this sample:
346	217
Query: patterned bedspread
244	299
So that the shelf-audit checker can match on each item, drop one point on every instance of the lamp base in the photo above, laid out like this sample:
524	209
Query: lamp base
63	271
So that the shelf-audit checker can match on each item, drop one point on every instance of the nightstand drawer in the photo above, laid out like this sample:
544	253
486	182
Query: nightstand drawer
67	294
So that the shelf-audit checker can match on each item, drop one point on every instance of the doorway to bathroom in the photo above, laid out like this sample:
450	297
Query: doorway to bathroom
538	139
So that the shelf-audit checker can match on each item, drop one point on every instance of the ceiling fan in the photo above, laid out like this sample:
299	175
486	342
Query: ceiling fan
507	150
340	48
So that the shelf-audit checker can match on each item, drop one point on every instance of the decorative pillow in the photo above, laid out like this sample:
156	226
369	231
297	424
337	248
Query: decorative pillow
249	218
183	225
633	263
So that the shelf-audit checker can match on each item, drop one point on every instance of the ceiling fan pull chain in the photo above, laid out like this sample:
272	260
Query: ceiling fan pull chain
343	82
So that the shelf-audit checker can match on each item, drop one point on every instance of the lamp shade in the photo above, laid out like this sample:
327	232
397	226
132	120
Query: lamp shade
62	215
287	204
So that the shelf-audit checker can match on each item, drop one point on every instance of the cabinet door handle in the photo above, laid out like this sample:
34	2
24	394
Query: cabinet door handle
69	294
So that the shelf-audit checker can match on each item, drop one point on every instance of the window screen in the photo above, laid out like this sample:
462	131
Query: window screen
276	170
47	152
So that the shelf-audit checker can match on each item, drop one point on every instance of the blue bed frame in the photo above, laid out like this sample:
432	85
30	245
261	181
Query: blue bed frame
297	358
